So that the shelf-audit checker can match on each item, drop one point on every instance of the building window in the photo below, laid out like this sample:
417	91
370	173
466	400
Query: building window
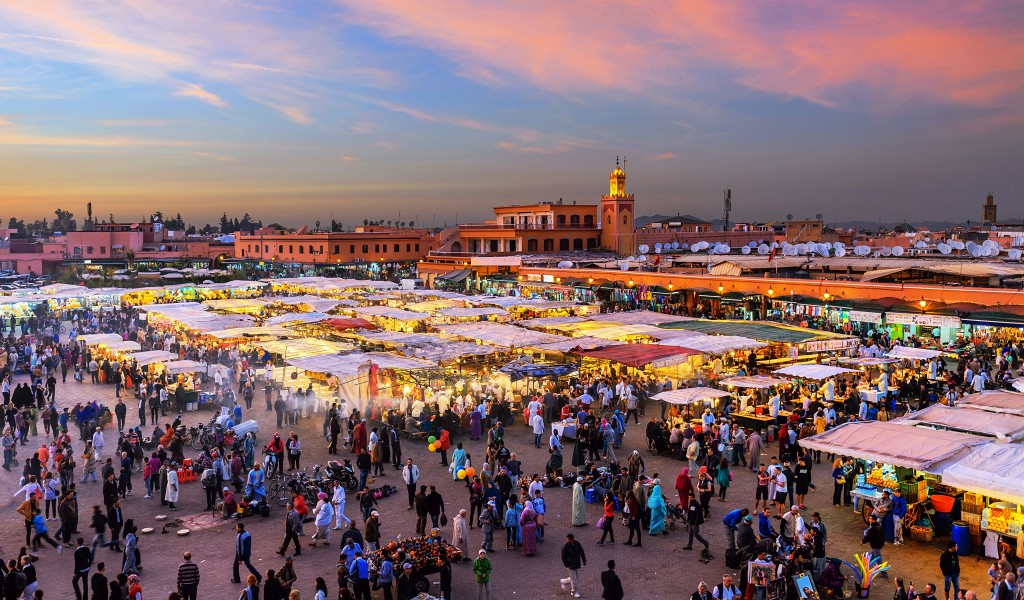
561	219
417	247
291	250
577	244
337	249
531	245
408	247
609	219
301	249
588	220
322	248
591	243
511	245
311	249
266	248
549	245
366	248
474	246
574	220
280	248
77	251
396	248
563	244
88	249
376	247
623	219
103	249
495	246
351	248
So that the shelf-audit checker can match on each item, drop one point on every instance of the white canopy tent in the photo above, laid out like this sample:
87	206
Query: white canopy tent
692	395
969	419
894	443
713	344
996	401
813	371
398	338
909	352
236	304
499	334
251	332
457	312
347	365
639	317
995	470
759	382
316	303
122	346
95	339
448	351
566	344
174	367
397	314
152	356
298	318
303	347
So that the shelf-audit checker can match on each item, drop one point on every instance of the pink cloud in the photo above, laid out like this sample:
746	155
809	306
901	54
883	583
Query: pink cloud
942	51
663	156
194	90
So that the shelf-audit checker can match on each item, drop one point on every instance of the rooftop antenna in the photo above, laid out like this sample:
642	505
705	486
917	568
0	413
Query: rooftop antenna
728	207
624	164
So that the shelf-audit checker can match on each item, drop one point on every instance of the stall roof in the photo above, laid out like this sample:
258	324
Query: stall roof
448	351
639	355
867	361
480	311
518	302
94	339
332	284
755	330
993	470
455	276
235	303
714	344
152	356
298	318
197	318
913	353
640	317
123	346
996	401
397	314
813	371
350	323
303	347
250	332
429	306
567	344
347	365
424	293
686	396
499	334
184	366
315	302
549	322
970	420
401	338
759	382
894	443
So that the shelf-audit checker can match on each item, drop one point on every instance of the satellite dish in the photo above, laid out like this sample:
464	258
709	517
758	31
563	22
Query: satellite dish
642	258
990	244
822	249
675	245
752	245
801	248
565	264
920	244
944	248
975	252
1014	254
745	250
695	248
624	266
1019	240
862	250
789	251
886	251
877	253
631	258
724	249
957	245
897	251
657	247
762	249
840	252
839	245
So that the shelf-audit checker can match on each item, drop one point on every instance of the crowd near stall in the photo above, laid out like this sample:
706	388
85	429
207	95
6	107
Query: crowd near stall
920	441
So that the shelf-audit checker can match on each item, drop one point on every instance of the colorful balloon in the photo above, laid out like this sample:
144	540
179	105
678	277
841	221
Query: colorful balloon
431	439
431	447
461	474
470	472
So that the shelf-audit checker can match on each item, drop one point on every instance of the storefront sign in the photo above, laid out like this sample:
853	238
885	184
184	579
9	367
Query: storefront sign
861	316
830	345
923	320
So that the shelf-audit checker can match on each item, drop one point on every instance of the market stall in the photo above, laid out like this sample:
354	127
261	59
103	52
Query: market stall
687	397
969	419
992	474
996	401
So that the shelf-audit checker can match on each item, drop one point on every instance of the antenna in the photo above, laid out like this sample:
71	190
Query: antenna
624	164
728	207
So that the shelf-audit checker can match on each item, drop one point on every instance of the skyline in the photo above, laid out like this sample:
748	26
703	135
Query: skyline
443	111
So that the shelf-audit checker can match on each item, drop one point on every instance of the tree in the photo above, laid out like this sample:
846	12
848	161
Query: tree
175	224
157	217
64	221
225	224
412	224
389	222
366	222
17	225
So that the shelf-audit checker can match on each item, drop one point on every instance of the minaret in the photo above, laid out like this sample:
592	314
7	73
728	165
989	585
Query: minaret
617	214
988	210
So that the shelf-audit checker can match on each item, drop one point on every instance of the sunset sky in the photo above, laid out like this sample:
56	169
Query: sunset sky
304	109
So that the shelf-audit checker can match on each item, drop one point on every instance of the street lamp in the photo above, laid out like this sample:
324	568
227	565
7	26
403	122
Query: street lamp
771	292
826	296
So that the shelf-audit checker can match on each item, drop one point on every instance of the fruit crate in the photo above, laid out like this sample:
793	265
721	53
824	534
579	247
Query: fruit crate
914	491
973	522
921	534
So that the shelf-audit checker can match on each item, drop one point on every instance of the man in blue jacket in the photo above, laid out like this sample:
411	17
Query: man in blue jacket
243	553
899	510
732	521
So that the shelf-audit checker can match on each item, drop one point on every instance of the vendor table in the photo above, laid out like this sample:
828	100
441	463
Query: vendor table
564	429
870	395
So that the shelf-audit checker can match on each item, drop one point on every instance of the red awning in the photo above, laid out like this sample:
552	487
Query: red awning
636	355
350	323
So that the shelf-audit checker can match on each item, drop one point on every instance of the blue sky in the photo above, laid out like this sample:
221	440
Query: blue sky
294	111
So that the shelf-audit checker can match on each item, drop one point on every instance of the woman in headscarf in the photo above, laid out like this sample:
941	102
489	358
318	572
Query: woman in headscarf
579	504
658	510
475	424
578	451
636	465
684	486
458	461
528	526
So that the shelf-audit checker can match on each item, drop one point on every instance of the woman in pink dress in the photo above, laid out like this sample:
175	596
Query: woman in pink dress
528	524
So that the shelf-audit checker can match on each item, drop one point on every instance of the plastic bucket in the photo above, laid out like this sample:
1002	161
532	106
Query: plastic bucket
942	503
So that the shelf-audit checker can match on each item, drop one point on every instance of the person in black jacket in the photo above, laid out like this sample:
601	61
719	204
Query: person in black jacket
444	568
949	564
874	537
100	586
694	518
573	559
83	563
611	586
115	520
403	584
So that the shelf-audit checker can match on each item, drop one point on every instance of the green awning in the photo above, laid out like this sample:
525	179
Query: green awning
755	330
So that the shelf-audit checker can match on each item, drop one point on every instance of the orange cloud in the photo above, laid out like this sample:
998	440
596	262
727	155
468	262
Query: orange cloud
194	90
942	51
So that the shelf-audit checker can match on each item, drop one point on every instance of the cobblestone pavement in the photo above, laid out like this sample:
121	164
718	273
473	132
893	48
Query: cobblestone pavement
660	569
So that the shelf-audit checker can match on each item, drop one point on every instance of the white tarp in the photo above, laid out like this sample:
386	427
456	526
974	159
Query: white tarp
713	344
518	302
298	318
456	312
584	343
303	347
913	353
197	318
549	322
996	401
399	338
895	443
693	395
499	334
639	317
94	339
251	332
813	371
316	303
122	346
969	419
448	351
758	382
347	365
152	356
236	304
995	470
390	313
184	366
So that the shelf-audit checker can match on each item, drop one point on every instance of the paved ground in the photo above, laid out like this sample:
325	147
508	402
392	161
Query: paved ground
658	570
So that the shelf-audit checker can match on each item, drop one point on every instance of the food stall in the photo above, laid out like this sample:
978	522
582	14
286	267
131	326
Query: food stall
688	397
992	474
751	411
895	455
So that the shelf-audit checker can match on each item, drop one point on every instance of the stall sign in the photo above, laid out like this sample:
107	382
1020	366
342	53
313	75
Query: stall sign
865	316
830	345
924	320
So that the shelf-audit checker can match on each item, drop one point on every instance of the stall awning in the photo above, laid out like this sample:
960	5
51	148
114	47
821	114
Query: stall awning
455	276
303	347
758	382
498	334
93	339
448	351
152	356
755	330
640	317
686	396
397	314
813	371
894	443
638	355
184	366
995	470
250	332
347	365
457	312
996	401
122	346
970	420
298	318
342	323
909	352
714	344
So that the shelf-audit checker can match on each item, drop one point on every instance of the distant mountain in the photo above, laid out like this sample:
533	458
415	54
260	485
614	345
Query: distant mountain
858	225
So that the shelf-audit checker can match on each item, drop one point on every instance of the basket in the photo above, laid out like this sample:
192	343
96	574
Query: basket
972	508
921	534
973	521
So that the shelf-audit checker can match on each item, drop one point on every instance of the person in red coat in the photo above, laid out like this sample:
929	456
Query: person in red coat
684	486
443	443
359	439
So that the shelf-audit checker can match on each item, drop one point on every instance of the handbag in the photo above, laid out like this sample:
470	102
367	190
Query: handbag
444	519
600	523
840	480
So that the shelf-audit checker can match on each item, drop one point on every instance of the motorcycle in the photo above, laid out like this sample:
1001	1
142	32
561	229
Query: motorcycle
343	474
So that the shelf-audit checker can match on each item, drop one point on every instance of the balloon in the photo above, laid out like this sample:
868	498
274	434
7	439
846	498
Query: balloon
470	472
431	439
461	473
431	447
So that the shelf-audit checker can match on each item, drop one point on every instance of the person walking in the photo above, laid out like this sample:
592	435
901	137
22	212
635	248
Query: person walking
338	501
410	475
875	538
611	586
292	530
694	519
359	574
949	564
83	563
421	510
243	553
899	511
633	520
482	573
608	520
573	559
99	583
188	578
